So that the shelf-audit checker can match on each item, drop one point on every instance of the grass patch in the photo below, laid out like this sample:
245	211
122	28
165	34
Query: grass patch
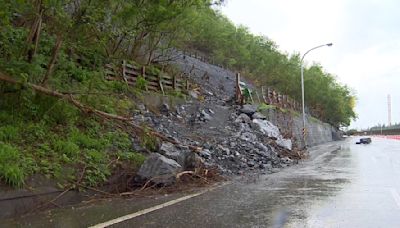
12	168
295	113
264	107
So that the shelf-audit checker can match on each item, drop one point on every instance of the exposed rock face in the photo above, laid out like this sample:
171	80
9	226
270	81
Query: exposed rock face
159	169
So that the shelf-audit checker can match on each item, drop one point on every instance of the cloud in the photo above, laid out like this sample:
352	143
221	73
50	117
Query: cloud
366	41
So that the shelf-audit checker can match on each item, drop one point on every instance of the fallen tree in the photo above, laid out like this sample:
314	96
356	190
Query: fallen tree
90	110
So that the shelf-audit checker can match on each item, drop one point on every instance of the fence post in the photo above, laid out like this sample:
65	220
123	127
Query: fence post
263	94
174	82
273	101
160	82
238	92
123	68
284	101
279	100
124	72
258	97
144	76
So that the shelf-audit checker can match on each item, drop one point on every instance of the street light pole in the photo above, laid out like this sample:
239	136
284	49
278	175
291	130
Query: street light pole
302	91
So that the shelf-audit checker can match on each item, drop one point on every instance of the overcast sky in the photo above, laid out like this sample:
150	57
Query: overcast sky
366	44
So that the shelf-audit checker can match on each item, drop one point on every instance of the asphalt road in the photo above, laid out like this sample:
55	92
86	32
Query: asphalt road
355	186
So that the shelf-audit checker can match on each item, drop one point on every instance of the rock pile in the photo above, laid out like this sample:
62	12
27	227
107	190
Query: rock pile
235	140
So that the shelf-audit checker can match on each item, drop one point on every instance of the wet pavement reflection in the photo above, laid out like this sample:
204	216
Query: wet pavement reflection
354	186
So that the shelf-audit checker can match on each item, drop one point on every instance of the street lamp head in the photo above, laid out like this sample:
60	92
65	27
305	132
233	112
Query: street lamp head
330	44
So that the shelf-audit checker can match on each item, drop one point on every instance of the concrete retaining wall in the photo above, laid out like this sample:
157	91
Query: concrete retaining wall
291	125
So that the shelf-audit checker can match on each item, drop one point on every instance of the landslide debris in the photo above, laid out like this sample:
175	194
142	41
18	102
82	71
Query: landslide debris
236	140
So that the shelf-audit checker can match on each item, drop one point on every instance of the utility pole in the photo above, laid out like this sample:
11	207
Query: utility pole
389	100
302	91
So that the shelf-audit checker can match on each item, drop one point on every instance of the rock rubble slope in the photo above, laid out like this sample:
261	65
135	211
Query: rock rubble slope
235	140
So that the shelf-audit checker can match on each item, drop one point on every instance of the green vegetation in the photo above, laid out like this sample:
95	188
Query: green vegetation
259	59
64	45
81	150
263	107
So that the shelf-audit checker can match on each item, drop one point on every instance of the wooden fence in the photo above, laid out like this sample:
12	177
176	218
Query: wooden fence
154	82
203	58
269	96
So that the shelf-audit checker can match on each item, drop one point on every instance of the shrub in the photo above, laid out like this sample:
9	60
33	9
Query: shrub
141	83
97	169
147	140
119	140
263	107
9	133
85	141
136	158
67	148
11	169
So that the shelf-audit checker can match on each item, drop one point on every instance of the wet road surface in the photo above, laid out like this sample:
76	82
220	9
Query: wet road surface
356	186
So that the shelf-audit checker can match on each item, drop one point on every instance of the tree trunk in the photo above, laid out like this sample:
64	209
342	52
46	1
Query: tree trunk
34	34
52	62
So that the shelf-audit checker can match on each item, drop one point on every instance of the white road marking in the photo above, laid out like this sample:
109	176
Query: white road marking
154	208
395	196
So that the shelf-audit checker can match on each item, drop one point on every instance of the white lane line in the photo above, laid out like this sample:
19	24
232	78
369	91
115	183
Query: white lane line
154	208
395	196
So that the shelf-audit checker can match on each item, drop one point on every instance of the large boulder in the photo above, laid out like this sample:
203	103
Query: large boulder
249	109
194	94
267	128
243	118
193	161
205	153
170	151
183	156
204	115
285	143
258	115
247	136
272	131
165	109
159	169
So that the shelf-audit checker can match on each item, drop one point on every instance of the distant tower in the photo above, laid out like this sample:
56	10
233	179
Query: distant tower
389	110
